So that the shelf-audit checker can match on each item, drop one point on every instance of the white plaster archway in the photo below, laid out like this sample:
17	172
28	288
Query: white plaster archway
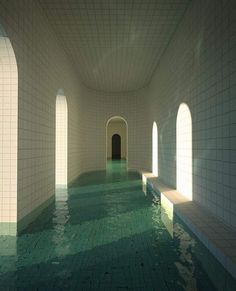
125	143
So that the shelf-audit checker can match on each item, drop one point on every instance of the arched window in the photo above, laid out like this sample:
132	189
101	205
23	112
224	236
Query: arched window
184	151
8	132
61	139
154	149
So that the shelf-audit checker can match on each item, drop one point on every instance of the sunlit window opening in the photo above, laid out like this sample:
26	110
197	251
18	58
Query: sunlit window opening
8	131
154	149
61	139
184	151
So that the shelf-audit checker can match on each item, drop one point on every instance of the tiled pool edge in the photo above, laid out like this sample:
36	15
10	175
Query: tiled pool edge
8	228
29	218
15	228
228	263
225	260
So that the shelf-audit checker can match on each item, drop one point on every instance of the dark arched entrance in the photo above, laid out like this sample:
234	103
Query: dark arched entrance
116	147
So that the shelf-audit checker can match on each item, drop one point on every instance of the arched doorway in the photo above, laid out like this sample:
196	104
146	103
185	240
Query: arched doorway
117	139
61	139
116	147
8	134
184	151
154	149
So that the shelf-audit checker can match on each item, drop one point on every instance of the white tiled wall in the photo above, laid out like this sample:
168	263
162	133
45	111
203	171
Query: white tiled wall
43	68
199	68
8	130
98	108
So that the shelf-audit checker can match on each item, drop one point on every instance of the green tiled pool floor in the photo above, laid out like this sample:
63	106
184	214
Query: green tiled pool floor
105	233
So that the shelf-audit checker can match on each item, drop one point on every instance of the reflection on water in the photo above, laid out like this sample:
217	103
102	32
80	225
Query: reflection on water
60	219
167	214
8	245
144	188
104	233
185	264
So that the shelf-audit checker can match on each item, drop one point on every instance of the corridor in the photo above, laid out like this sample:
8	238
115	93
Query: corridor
118	145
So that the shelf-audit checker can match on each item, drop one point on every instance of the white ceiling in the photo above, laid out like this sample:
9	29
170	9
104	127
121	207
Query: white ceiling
115	44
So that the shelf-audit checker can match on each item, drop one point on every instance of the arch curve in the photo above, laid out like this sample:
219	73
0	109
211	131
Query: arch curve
117	117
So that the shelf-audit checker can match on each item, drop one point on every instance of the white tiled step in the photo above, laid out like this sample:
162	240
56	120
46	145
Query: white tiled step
215	235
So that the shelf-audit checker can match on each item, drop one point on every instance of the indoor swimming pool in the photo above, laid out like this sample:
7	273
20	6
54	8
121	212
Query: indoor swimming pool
108	232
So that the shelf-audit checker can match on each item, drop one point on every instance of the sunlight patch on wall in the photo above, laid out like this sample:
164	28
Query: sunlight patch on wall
184	151
154	149
61	140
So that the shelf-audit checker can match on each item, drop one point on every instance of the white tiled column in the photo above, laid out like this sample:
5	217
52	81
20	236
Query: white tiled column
8	136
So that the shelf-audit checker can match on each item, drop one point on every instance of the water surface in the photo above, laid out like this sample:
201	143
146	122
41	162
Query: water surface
107	232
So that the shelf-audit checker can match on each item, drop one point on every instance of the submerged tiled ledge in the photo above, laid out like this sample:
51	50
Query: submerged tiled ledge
8	228
215	235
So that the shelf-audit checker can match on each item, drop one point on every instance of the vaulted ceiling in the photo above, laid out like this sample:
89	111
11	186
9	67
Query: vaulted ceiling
115	44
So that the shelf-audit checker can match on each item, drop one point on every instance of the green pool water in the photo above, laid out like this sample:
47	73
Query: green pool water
108	232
